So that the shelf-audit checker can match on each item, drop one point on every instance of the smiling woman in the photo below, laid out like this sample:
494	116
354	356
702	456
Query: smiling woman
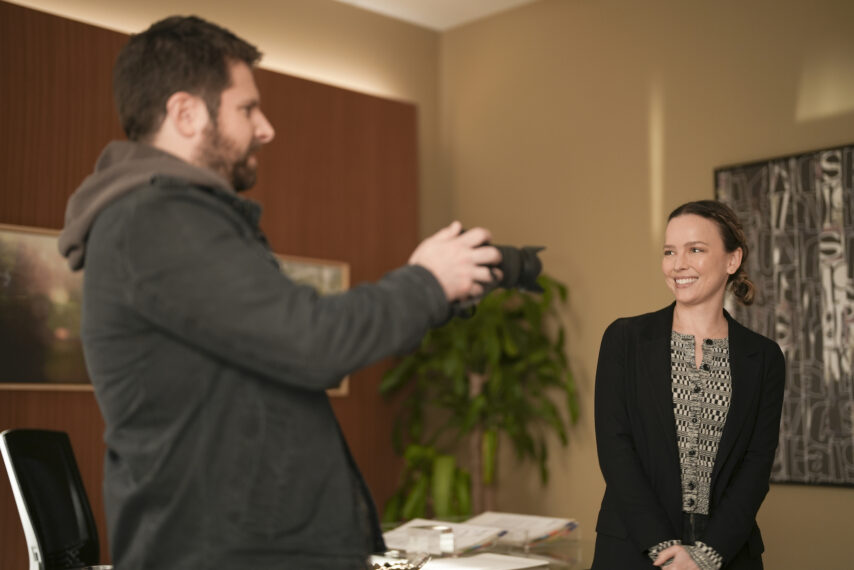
695	263
685	491
713	244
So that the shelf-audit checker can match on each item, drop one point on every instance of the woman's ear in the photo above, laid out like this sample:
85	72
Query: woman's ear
734	261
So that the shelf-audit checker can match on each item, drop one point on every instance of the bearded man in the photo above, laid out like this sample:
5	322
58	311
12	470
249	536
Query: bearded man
210	366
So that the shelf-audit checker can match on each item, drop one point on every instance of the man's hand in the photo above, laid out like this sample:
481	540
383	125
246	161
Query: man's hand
678	558
458	261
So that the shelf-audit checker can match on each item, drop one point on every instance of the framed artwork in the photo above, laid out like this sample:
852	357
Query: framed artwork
40	308
40	299
798	215
325	276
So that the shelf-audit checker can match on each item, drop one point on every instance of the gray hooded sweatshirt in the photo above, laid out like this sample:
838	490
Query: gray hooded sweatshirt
209	367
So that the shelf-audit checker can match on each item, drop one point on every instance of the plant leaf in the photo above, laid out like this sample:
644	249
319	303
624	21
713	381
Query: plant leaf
443	484
552	417
478	404
462	486
415	505
394	378
544	462
391	513
417	456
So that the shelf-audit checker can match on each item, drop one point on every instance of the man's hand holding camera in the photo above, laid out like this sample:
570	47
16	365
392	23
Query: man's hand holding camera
459	261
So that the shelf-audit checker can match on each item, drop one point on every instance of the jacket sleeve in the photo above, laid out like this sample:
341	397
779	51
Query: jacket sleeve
629	489
734	517
195	270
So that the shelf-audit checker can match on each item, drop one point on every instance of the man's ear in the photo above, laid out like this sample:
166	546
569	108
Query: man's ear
187	113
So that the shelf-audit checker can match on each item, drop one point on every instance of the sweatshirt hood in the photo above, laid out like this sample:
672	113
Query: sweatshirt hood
122	167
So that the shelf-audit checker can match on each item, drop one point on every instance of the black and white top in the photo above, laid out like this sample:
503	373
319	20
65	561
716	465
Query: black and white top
701	399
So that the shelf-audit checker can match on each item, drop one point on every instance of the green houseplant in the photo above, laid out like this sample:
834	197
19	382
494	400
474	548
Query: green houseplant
499	374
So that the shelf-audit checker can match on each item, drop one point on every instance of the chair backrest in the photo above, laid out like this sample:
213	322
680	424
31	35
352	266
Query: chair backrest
52	502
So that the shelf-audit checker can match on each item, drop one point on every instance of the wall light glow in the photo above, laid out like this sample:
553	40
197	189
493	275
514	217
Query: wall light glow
825	86
656	162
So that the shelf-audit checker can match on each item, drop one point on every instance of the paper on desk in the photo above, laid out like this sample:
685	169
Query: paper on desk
485	561
524	529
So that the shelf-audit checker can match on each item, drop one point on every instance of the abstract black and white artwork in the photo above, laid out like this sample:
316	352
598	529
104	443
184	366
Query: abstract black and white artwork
798	214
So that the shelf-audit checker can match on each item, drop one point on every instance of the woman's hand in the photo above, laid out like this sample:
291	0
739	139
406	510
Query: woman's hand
678	558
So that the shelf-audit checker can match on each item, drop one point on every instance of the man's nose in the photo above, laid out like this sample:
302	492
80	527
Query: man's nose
264	131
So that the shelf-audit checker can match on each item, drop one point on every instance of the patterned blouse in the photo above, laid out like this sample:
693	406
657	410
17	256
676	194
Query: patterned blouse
701	398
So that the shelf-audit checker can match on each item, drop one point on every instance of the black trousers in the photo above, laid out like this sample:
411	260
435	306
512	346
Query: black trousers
619	553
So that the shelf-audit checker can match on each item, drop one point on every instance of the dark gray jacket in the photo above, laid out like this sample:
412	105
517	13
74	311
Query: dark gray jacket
210	367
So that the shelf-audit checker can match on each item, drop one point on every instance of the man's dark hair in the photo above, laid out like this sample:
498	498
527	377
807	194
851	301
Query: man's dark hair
176	54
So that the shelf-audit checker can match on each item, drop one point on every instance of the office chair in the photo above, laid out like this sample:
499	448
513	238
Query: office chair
55	513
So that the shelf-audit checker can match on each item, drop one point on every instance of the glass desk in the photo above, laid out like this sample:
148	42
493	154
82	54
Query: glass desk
571	553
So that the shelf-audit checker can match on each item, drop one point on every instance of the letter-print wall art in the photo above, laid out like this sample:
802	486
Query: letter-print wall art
798	214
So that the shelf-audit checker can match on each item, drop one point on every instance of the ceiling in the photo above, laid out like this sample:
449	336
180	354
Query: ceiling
438	15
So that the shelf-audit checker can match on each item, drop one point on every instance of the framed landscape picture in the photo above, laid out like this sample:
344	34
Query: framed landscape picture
40	300
40	308
325	276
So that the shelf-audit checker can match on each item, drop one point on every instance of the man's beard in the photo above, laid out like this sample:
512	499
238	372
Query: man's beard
220	154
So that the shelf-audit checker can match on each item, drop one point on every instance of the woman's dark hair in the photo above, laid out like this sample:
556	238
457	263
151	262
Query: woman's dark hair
733	237
176	54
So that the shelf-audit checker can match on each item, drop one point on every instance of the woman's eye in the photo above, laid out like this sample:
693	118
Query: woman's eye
668	252
696	250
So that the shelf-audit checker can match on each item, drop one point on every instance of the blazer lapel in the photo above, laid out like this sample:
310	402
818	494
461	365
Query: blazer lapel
654	358
744	370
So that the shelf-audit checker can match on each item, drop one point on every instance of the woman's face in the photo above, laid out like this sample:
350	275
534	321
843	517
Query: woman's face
695	263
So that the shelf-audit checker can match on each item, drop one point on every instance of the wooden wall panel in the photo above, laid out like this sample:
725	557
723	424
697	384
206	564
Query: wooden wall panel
338	182
56	109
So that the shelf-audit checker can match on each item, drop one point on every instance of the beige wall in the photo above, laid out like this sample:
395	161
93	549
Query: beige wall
321	40
579	124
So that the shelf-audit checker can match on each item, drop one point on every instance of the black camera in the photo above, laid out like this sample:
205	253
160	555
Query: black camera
519	267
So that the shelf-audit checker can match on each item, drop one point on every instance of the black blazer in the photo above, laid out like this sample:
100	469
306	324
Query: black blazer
636	441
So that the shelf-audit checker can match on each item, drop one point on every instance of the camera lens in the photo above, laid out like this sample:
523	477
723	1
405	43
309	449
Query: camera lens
520	267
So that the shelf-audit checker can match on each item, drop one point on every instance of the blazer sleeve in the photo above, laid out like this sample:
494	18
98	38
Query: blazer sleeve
629	490
733	519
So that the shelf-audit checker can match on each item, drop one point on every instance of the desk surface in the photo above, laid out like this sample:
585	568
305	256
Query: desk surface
561	554
569	552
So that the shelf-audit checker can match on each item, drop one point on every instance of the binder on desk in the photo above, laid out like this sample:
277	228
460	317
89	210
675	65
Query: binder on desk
525	529
466	537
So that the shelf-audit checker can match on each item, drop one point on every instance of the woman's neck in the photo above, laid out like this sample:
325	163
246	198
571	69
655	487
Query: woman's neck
701	321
